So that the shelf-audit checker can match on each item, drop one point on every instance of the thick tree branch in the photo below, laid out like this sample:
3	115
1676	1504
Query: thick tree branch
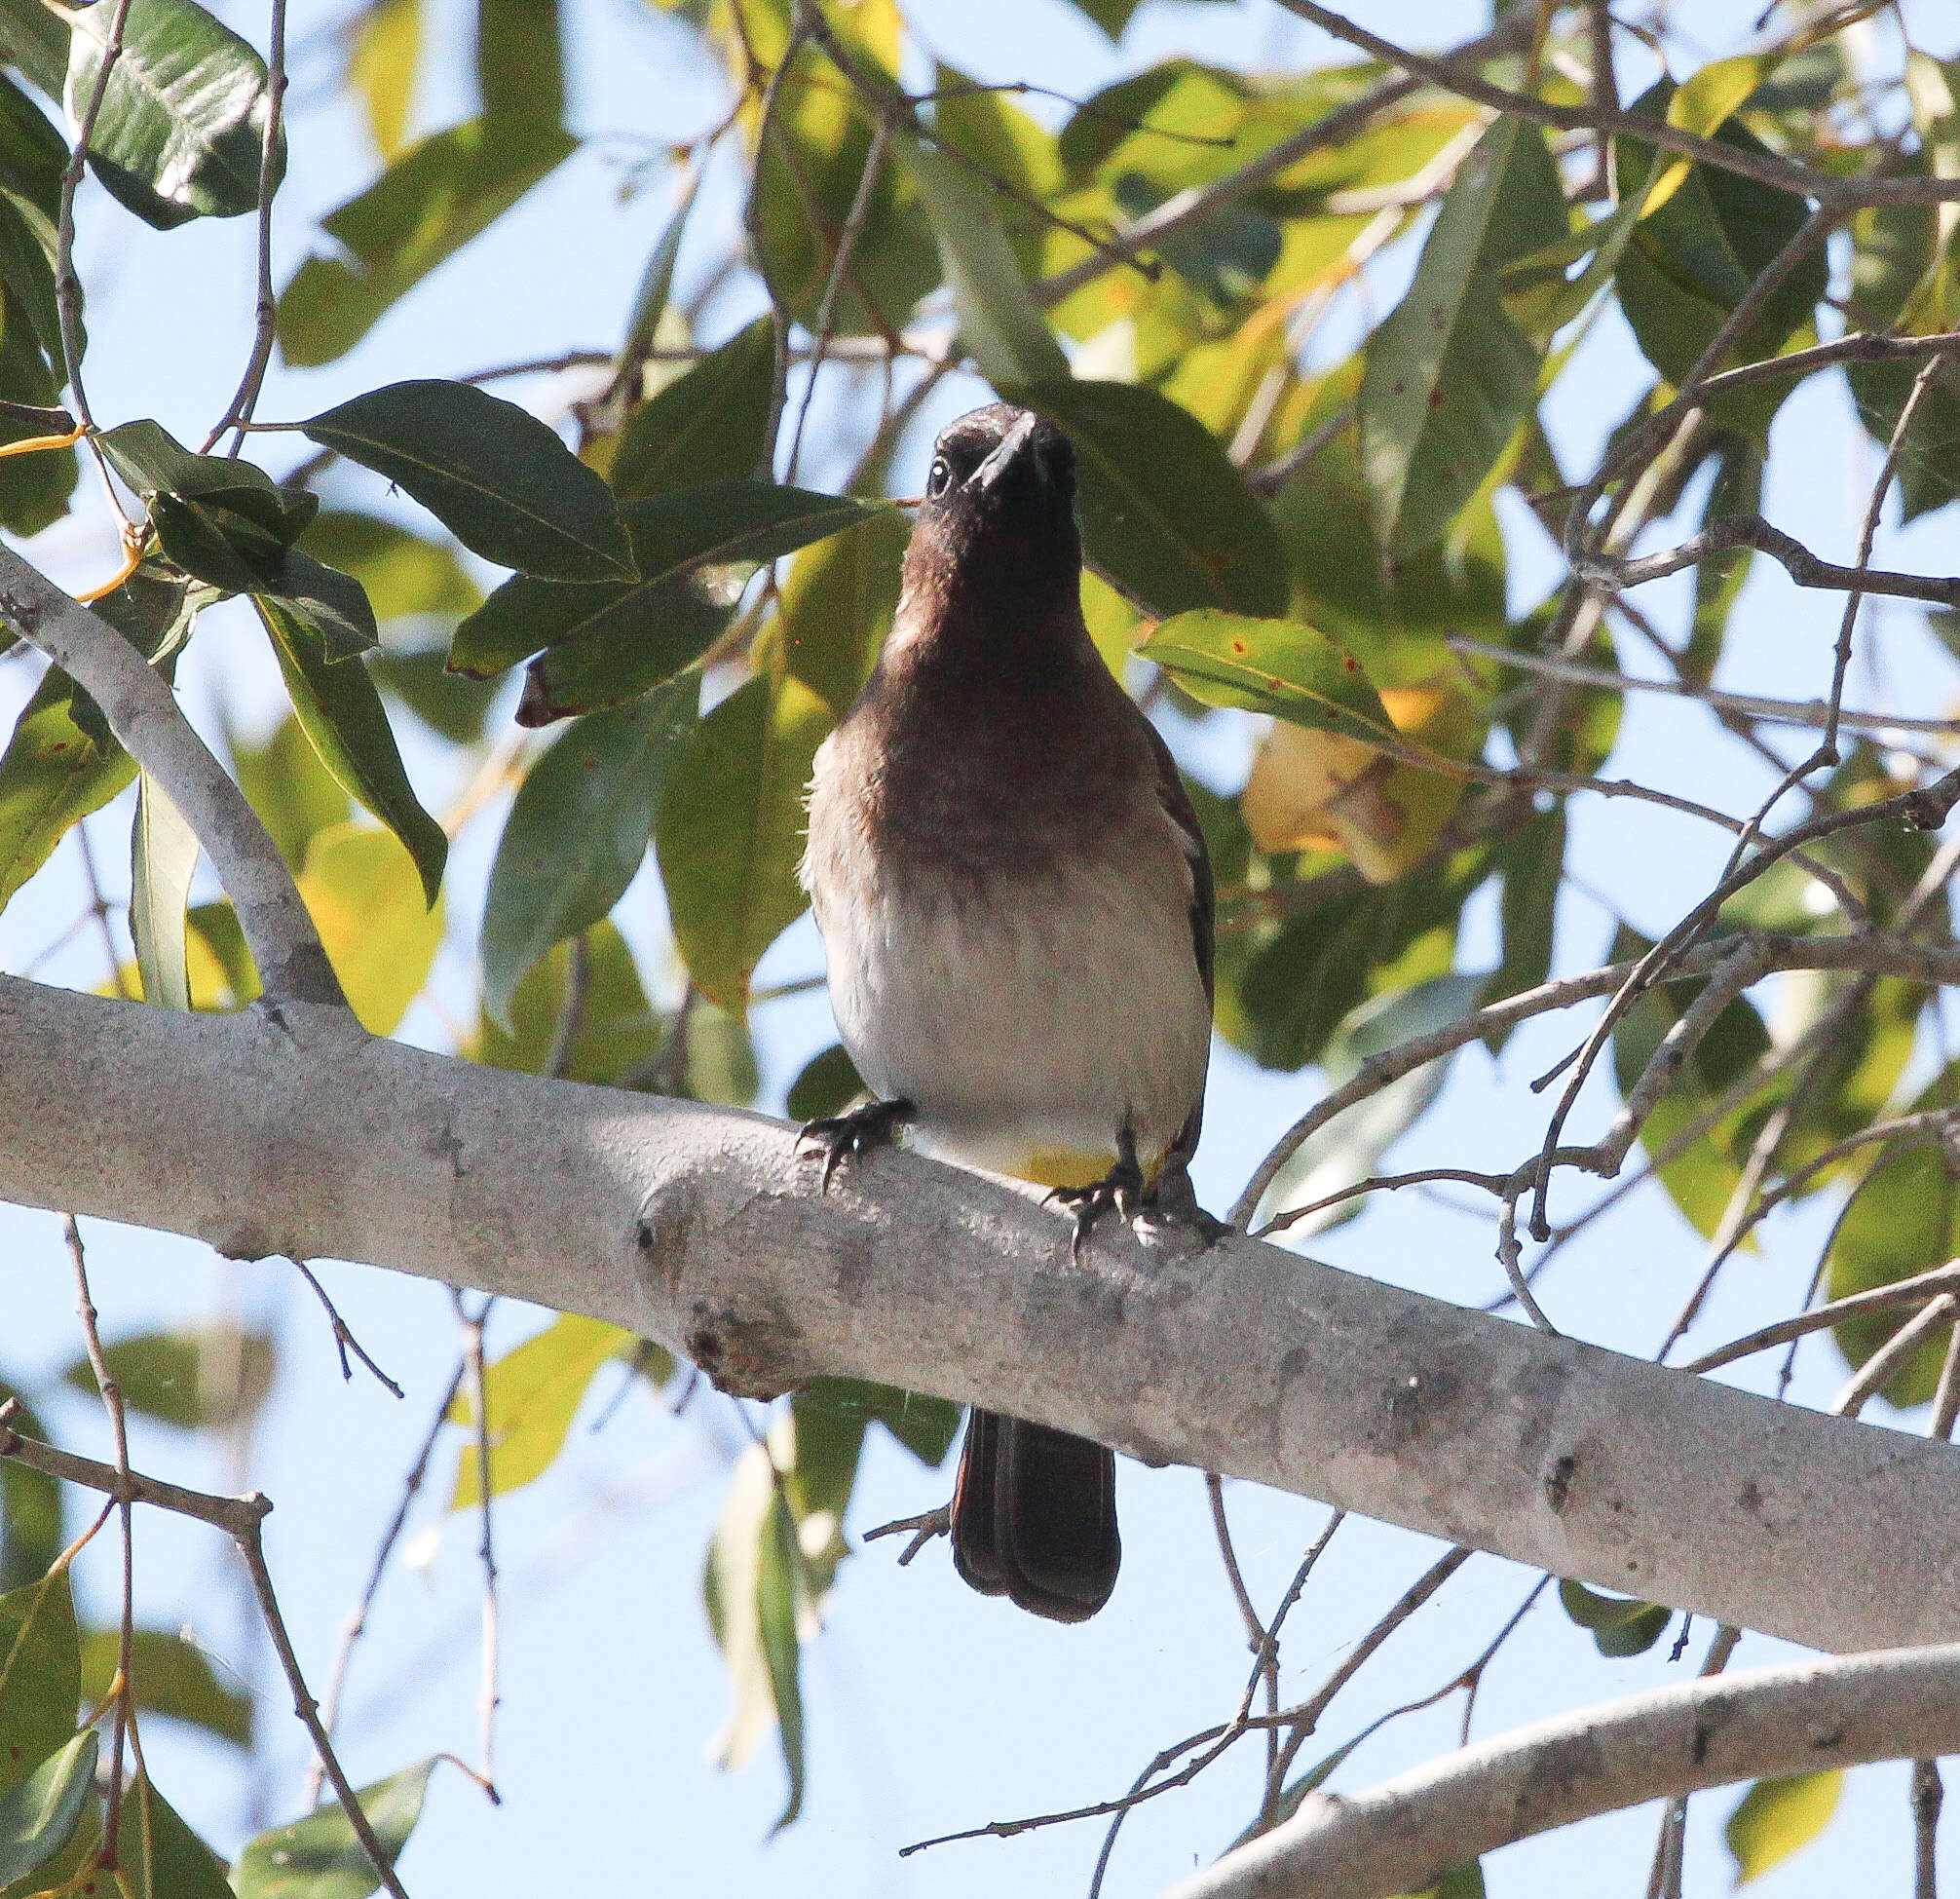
702	1229
1404	1835
145	716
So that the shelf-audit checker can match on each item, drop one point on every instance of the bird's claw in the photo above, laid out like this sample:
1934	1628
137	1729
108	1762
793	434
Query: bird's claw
1119	1190
857	1132
921	1528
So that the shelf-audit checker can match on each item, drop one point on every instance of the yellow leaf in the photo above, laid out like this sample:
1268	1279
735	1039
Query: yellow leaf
1778	1819
1700	105
366	896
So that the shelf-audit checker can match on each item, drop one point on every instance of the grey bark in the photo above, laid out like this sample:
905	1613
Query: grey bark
291	1132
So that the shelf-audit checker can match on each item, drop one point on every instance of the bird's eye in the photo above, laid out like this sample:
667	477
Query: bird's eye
940	479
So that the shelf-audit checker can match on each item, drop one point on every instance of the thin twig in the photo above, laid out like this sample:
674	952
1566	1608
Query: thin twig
476	1386
343	1335
1876	1370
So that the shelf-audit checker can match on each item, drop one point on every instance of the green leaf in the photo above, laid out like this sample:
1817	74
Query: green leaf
1780	1817
1448	374
837	608
1532	862
998	322
181	128
341	713
578	833
1693	257
30	1506
1461	1882
1279	667
369	903
426	207
188	1379
531	1394
1902	1219
34	489
292	791
1620	1625
656	283
61	764
709	425
609	644
37	42
40	1675
400	573
617	1030
729	832
926	1427
382	57
320	1857
520	62
495	475
172	1676
159	1856
826	1084
29	249
1740	460
163	853
776	1606
446	702
38	1818
1165	517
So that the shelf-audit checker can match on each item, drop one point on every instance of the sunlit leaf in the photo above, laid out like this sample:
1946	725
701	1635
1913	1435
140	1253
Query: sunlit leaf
381	933
1165	516
172	1676
836	609
321	1856
61	764
1280	667
729	831
532	1393
292	791
341	713
382	58
427	206
38	1817
163	853
1780	1817
181	128
495	475
578	832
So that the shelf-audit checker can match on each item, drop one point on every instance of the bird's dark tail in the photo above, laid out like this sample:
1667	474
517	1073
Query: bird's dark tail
1035	1517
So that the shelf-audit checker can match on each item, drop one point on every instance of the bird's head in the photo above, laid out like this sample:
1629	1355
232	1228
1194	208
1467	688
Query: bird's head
999	514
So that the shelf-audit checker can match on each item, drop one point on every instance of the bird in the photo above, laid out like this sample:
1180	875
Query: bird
1017	910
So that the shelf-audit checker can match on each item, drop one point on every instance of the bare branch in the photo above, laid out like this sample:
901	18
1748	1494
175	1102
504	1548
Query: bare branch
1878	1299
144	715
1402	1834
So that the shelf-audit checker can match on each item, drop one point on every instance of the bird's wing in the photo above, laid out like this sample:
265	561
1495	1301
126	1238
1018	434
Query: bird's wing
1176	806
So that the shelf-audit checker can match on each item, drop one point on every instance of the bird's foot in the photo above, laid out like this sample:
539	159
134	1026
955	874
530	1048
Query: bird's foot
1174	1203
873	1125
1119	1190
923	1529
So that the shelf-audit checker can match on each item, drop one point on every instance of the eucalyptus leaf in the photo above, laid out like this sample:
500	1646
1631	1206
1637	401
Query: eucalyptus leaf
710	425
1777	1818
38	1818
173	1677
321	1856
163	853
1281	666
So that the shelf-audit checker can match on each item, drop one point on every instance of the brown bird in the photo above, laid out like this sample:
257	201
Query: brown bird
1016	902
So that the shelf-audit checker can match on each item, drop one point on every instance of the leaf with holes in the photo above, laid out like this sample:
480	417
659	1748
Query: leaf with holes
1281	666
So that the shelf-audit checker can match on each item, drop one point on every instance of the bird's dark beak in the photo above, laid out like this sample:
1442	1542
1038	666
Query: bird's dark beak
1014	445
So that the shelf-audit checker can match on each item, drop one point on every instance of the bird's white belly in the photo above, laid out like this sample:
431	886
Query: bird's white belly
1029	1028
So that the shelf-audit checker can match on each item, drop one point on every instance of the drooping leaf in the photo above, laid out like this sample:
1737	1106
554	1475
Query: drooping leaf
1533	862
1165	517
532	1393
1448	374
61	764
163	853
38	1818
188	1379
578	832
40	1675
998	322
173	1677
705	426
321	1856
341	713
181	132
1780	1817
656	283
1620	1625
382	58
777	1604
495	475
426	207
370	902
729	832
1279	667
618	1031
